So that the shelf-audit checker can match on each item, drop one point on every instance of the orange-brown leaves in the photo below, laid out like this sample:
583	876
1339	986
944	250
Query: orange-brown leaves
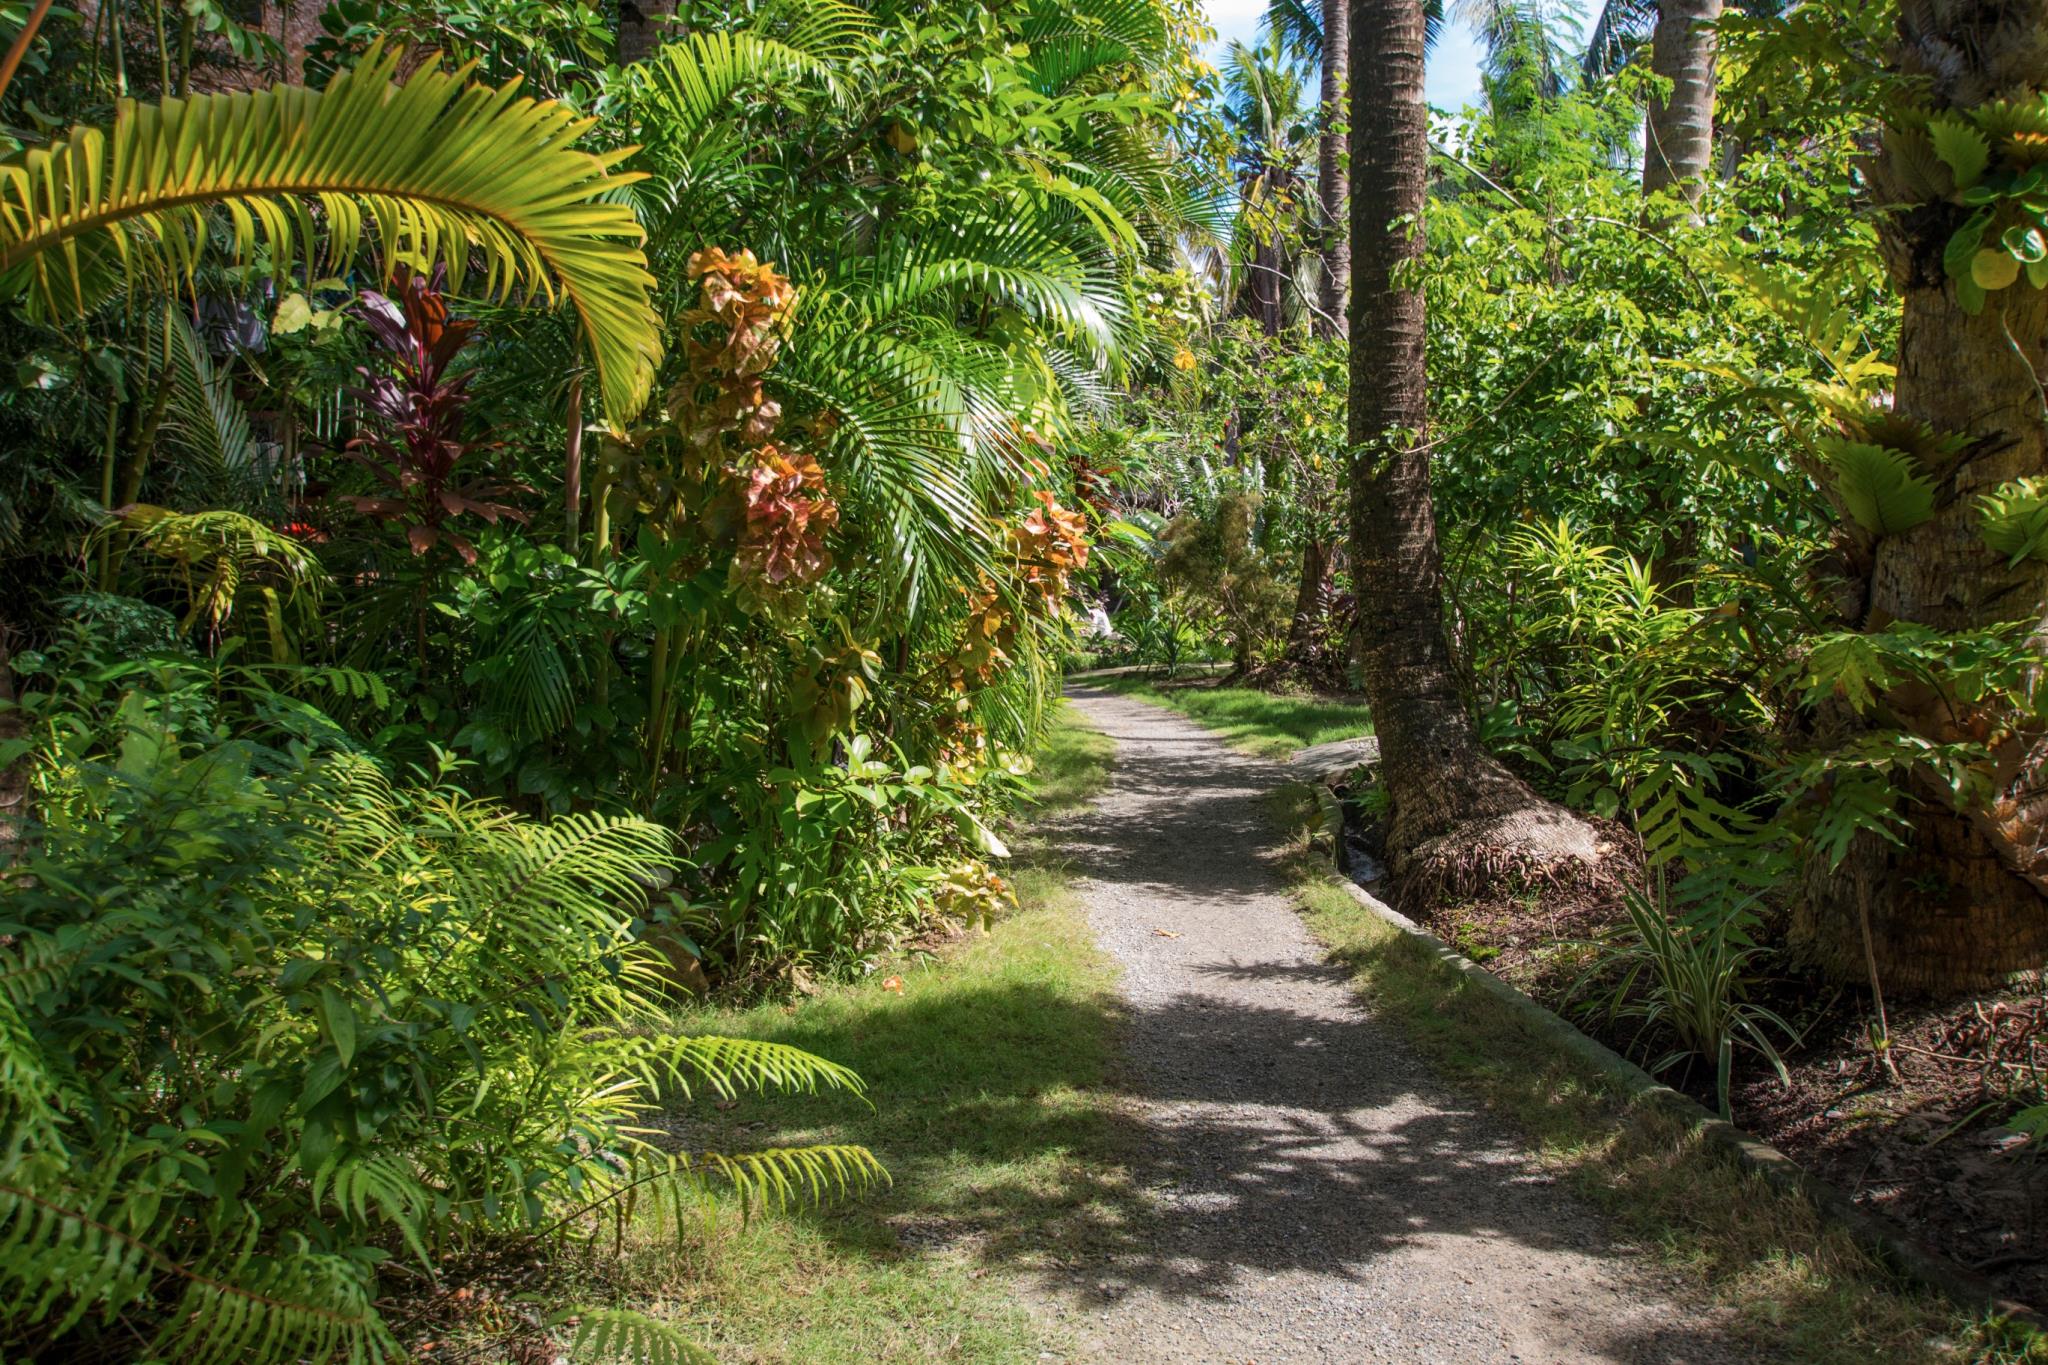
1050	545
788	512
1046	548
749	300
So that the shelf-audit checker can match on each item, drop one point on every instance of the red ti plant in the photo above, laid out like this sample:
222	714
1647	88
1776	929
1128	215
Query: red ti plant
416	414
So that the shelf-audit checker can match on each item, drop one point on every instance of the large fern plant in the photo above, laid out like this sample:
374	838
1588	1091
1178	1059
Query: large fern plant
275	1035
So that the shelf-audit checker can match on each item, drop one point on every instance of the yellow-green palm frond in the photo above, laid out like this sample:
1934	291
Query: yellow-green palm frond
219	557
789	1177
609	1336
436	169
691	82
729	1065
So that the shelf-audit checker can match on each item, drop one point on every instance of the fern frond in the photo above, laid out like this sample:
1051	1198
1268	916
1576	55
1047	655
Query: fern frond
729	1065
1881	487
789	1177
619	1336
309	1306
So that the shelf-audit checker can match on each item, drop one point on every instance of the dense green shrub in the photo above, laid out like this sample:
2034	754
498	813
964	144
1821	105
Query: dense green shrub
276	1034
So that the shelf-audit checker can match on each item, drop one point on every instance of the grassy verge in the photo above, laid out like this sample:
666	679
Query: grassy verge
986	1066
1263	723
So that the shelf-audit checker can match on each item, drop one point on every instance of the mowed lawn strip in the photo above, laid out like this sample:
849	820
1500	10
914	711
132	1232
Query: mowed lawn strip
986	1063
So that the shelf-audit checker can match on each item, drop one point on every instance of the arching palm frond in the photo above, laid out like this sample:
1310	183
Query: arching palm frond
1139	27
204	424
925	445
1298	27
1526	41
691	82
829	30
1619	31
434	167
1020	262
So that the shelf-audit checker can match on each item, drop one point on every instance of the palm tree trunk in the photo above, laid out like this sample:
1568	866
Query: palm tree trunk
1268	287
1459	823
1678	147
1308	597
643	26
1678	133
1965	902
1333	172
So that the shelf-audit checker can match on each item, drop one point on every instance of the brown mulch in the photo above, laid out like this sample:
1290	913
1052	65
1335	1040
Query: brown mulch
1923	1142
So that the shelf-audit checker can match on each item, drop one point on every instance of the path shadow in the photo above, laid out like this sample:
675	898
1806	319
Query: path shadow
1244	1134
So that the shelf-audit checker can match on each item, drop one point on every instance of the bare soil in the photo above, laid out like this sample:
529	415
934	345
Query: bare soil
1923	1142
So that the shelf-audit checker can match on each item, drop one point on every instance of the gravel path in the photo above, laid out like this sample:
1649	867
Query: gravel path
1314	1193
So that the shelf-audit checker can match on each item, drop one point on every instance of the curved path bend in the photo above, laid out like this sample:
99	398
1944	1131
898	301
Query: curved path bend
1313	1192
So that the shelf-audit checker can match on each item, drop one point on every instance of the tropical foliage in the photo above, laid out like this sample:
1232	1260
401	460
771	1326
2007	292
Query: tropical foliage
507	540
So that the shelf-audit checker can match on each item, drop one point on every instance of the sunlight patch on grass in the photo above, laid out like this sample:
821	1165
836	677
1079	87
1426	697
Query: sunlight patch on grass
1072	767
986	1065
1268	724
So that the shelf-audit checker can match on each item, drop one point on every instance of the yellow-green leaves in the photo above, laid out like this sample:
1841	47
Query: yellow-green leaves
1963	149
435	169
2013	519
1998	154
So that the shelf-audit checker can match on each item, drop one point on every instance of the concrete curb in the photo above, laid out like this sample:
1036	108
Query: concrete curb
1967	1288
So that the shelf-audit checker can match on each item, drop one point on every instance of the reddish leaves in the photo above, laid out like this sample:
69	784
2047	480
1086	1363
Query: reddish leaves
417	412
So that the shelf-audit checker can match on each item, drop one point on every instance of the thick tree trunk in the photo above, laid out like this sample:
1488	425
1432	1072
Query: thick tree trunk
643	26
1268	288
1678	147
1962	904
1459	823
1315	576
1333	173
1678	133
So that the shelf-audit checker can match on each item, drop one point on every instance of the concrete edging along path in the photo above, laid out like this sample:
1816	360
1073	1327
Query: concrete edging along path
1966	1288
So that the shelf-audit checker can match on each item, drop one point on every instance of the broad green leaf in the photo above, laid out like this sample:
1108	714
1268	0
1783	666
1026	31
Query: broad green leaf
293	314
2026	243
1993	270
1879	486
1961	147
340	1018
1962	248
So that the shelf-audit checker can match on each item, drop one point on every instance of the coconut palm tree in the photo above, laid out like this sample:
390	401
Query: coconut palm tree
1264	108
1459	821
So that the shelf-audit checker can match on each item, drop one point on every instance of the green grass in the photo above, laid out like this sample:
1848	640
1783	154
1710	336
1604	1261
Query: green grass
1265	723
987	1067
1072	767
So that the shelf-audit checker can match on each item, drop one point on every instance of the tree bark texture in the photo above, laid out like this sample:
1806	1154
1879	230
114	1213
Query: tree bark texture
1678	133
1268	286
1965	903
643	26
1459	822
1333	178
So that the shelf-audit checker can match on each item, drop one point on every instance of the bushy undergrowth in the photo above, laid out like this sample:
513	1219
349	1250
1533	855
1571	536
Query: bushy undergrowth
282	1039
